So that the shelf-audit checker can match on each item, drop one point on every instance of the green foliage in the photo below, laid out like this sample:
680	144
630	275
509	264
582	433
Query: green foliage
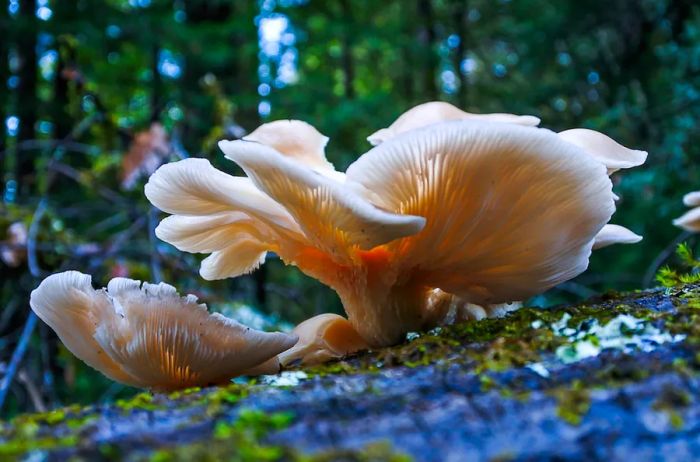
689	268
573	402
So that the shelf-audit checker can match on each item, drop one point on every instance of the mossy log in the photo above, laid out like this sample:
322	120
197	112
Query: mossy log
612	378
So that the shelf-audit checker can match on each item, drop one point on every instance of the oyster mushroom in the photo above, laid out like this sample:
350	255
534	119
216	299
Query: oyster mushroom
597	145
321	338
690	220
612	154
615	234
146	335
489	212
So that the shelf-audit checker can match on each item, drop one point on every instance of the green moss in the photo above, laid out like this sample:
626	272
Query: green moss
240	440
671	401
374	452
143	401
219	398
43	431
19	446
186	392
573	402
483	348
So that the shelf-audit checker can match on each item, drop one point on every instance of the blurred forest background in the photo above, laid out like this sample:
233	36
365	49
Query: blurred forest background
96	94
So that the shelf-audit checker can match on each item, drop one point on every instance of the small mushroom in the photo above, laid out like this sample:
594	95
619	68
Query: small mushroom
321	338
436	112
690	220
146	335
608	151
615	234
453	309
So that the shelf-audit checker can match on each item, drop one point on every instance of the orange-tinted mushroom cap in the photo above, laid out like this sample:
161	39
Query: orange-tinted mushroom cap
146	335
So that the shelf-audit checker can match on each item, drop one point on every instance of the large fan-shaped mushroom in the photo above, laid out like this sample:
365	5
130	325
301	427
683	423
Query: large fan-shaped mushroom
486	211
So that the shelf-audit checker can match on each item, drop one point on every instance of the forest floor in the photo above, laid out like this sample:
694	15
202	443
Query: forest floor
603	380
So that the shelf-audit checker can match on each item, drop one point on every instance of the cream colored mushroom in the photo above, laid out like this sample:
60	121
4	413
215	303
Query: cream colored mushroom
690	220
612	154
450	309
321	338
436	112
488	212
296	139
615	234
146	335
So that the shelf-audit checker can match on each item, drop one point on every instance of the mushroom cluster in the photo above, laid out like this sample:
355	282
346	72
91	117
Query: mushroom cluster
448	209
146	335
690	220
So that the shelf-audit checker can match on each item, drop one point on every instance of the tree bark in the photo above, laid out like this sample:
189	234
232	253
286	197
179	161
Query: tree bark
481	391
427	38
346	56
27	103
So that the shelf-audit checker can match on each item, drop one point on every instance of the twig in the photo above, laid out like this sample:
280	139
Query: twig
29	145
30	324
32	390
156	273
74	174
17	356
662	257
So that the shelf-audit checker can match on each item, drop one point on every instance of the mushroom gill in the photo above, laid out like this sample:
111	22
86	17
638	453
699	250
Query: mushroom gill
487	211
146	335
690	220
322	338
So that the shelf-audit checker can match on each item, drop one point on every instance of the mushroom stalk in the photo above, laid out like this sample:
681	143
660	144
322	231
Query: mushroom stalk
383	315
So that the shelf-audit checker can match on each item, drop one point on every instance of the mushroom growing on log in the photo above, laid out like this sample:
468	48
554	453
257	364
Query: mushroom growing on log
487	211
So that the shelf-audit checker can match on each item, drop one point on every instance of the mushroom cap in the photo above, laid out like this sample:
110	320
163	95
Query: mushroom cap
608	151
437	111
146	335
332	216
615	234
295	139
689	221
322	338
510	210
692	199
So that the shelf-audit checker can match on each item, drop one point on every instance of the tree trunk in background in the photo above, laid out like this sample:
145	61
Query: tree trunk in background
427	38
460	11
4	91
62	22
347	62
198	115
156	83
408	54
243	76
26	106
